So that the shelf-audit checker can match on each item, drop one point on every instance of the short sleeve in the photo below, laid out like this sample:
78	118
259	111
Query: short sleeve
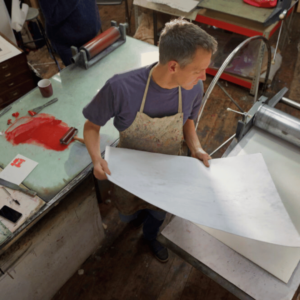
197	102
101	108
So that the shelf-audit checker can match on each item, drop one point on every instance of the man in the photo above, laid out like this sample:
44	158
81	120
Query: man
154	109
70	23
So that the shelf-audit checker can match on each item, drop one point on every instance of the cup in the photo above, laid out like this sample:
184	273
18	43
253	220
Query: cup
45	87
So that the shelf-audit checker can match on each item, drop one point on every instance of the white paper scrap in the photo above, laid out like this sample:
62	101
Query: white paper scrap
186	5
18	169
7	50
236	194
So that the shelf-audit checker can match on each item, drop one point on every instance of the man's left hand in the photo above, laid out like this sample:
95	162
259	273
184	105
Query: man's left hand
203	156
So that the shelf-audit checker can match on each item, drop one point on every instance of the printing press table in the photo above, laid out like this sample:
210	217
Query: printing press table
211	250
72	230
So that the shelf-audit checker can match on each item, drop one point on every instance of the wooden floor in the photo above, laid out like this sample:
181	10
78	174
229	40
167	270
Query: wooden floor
123	268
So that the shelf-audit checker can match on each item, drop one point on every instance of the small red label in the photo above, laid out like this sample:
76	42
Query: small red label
17	162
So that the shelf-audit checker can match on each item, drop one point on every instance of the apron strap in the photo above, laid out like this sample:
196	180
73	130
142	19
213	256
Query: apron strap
179	100
146	91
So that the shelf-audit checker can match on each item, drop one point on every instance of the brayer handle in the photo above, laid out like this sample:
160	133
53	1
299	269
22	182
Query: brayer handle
38	109
78	139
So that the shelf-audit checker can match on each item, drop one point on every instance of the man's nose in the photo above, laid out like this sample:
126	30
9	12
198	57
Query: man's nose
202	76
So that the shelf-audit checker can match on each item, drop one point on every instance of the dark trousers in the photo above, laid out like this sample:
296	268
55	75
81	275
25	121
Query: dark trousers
152	220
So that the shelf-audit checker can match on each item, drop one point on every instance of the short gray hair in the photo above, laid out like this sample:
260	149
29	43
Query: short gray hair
180	40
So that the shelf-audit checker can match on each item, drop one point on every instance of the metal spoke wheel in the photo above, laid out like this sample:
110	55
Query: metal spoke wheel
221	70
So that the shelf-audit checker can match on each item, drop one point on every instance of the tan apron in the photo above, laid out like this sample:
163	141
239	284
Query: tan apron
158	135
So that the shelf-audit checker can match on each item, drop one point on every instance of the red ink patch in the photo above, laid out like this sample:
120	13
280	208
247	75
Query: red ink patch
44	131
16	114
9	122
17	162
32	113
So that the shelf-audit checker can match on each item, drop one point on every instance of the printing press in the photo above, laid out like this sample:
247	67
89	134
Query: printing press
247	268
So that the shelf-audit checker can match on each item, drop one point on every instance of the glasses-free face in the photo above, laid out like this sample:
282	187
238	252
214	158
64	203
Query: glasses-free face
189	75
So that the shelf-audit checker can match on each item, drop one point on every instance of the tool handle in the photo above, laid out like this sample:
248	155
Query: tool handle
15	187
28	192
237	112
76	138
49	103
46	104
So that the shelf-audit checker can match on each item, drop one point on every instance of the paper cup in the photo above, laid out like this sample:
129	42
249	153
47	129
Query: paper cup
45	88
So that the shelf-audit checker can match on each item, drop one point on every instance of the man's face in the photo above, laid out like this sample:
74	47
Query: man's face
189	76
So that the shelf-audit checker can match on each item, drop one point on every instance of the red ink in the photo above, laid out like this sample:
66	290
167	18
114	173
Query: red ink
17	162
9	122
44	131
16	114
32	113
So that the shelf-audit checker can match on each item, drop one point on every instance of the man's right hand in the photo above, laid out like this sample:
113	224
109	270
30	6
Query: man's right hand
101	169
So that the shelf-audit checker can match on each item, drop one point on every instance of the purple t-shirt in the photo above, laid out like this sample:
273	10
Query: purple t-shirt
122	95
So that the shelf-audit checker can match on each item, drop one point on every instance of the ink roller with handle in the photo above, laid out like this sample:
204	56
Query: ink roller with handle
100	46
71	135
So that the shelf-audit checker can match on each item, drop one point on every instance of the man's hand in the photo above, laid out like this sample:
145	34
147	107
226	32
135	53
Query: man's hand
193	142
101	169
202	155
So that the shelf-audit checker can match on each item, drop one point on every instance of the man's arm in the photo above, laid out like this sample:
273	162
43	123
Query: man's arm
91	133
193	142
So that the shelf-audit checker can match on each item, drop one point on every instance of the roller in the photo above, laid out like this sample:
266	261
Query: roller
69	136
100	46
263	115
101	42
278	123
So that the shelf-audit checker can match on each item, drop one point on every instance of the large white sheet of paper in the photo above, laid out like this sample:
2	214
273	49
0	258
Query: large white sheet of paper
236	194
280	261
241	272
18	169
283	162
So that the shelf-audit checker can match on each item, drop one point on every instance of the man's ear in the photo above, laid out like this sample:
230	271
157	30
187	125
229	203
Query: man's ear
173	66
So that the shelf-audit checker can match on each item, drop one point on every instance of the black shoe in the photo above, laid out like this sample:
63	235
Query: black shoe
140	219
160	252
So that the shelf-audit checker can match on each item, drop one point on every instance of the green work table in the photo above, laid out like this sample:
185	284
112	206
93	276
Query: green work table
58	172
